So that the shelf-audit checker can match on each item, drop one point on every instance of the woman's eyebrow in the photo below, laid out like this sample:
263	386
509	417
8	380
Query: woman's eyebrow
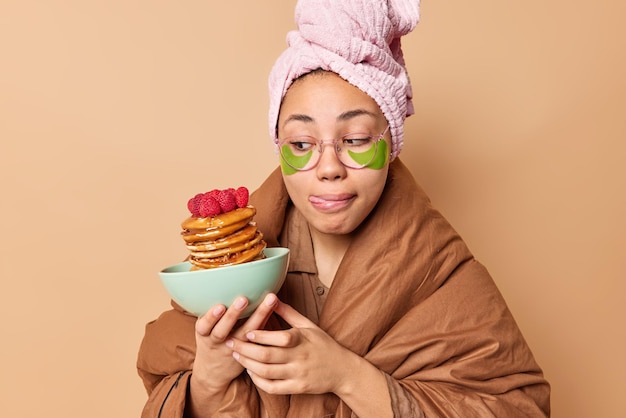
354	113
350	114
299	117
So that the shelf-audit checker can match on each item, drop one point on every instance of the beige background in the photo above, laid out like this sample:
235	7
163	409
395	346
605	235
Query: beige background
113	113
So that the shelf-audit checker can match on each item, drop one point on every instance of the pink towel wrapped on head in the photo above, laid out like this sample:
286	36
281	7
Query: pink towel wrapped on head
360	41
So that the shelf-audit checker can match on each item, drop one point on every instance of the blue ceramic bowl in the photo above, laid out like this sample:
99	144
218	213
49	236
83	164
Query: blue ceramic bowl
199	290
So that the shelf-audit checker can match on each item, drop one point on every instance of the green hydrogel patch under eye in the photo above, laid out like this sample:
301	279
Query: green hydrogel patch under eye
375	157
288	161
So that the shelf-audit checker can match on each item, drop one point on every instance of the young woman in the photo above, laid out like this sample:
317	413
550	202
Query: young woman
384	312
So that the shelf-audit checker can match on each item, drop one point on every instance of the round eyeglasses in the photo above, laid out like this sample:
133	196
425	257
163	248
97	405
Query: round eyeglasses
355	150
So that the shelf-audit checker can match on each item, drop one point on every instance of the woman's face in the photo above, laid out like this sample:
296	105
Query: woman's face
333	198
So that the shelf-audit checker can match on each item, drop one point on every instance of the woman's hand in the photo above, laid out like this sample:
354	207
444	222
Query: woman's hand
214	367
305	359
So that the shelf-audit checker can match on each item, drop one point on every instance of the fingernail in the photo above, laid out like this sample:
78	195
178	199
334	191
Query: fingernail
229	343
218	311
270	300
250	335
240	303
235	355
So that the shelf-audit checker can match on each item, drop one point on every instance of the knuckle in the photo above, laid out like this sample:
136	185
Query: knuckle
290	339
262	371
272	390
264	356
217	336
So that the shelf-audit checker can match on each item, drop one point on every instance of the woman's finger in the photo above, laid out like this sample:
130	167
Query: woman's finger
267	370
293	317
283	338
259	317
226	323
206	322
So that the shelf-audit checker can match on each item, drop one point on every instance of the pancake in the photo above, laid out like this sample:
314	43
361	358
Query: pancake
224	239
254	253
221	220
244	234
211	234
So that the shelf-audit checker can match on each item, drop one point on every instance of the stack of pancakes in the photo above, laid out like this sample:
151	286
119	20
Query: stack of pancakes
223	240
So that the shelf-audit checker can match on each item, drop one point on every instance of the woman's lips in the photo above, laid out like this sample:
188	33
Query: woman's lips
331	202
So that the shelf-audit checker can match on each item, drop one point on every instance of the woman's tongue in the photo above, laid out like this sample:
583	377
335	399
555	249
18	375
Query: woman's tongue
331	202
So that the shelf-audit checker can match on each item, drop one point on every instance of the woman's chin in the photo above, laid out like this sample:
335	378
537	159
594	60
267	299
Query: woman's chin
340	227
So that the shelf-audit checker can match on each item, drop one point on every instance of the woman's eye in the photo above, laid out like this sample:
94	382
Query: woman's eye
301	145
357	142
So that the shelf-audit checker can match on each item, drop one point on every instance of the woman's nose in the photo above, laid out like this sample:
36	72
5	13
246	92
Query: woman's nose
329	166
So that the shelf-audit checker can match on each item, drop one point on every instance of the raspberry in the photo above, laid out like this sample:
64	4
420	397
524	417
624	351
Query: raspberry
208	206
241	197
215	194
193	204
227	201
